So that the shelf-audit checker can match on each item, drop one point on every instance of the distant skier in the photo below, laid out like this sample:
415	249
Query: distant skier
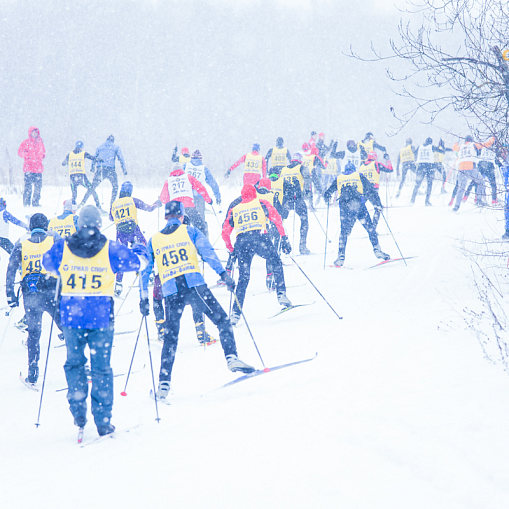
323	149
184	158
367	145
87	262
5	219
108	152
76	162
487	161
183	284
406	158
278	156
67	223
425	168
351	187
315	165
438	164
32	150
332	167
255	166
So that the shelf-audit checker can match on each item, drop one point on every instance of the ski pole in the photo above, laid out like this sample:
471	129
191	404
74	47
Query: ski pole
327	302
231	293
124	393
151	369
127	294
9	314
326	231
217	219
394	238
104	229
250	333
37	424
316	217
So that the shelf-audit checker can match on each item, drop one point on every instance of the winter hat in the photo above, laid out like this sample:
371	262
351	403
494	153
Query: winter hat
349	168
279	142
368	136
79	145
469	138
321	135
256	147
174	208
313	133
196	155
111	138
177	166
305	147
273	177
264	184
351	145
126	189
409	141
248	193
314	151
38	221
185	151
372	156
90	217
68	205
428	141
297	156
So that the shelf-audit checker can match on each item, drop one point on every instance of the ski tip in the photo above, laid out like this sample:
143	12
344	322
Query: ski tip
266	370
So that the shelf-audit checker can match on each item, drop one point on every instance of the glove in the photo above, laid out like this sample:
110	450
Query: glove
227	174
211	202
218	201
12	301
125	173
386	156
285	245
230	283
144	307
140	249
326	197
379	208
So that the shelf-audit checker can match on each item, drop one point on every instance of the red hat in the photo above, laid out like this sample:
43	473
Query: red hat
305	147
264	184
185	150
321	135
248	193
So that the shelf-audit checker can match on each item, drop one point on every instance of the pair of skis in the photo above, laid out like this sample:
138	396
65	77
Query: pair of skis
384	262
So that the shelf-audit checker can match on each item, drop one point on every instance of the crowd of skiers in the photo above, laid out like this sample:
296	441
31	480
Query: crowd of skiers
70	270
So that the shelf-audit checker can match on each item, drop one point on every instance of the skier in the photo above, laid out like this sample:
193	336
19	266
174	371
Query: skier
352	154
87	262
182	159
487	161
314	164
107	153
33	152
438	165
125	216
175	250
39	288
323	149
67	223
5	218
278	155
371	169
425	168
367	145
314	138
332	167
407	159
180	187
468	154
200	172
351	187
255	166
76	162
249	217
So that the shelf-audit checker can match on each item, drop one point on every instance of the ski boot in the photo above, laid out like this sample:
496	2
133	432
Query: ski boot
340	261
398	193
163	390
428	203
283	300
105	430
505	236
380	254
235	317
235	364
303	249
455	208
118	289
33	375
22	324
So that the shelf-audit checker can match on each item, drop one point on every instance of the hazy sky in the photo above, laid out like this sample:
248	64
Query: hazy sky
214	75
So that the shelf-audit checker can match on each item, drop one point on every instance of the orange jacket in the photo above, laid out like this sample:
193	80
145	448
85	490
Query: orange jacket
469	165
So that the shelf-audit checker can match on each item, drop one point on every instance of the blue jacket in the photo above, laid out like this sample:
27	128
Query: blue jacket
209	179
91	312
205	250
108	151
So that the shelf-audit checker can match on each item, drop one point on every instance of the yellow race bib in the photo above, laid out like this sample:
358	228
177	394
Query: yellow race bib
278	157
124	210
76	163
64	227
369	171
248	217
253	164
31	256
349	180
406	154
293	175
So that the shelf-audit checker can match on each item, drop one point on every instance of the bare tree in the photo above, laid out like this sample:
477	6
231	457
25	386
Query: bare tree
455	52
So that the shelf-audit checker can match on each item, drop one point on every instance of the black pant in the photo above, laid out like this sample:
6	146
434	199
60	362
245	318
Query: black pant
407	165
201	298
487	169
300	207
349	212
36	303
34	179
424	170
80	179
101	174
197	220
246	246
6	244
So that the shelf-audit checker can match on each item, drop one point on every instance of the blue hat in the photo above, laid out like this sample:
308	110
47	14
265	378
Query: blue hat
174	207
256	147
79	144
126	189
349	168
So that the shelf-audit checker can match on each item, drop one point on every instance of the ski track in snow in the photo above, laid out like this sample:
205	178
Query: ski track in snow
393	413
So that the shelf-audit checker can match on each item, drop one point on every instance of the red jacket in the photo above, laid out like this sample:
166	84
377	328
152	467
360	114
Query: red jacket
243	158
33	152
188	202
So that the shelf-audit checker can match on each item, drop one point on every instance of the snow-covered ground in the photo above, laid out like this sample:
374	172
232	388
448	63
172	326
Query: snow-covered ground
399	409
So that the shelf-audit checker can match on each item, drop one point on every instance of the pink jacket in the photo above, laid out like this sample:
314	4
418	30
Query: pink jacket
33	152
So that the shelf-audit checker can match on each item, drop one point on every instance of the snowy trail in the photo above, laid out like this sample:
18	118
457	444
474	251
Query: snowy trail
398	410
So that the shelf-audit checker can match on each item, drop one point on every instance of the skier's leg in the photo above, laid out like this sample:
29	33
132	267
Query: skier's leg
37	179
6	245
74	188
27	191
157	301
404	170
463	177
34	309
347	215
112	177
95	183
302	211
196	220
480	187
245	254
418	181
430	174
88	186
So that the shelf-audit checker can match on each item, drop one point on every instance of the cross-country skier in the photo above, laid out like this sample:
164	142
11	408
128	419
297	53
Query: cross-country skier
37	286
367	145
315	165
125	216
66	223
352	154
406	157
182	159
87	262
351	187
108	152
438	165
487	161
249	218
175	250
255	166
323	149
332	167
5	219
76	162
425	168
278	155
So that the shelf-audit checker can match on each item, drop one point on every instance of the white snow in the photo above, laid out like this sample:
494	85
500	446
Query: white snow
399	409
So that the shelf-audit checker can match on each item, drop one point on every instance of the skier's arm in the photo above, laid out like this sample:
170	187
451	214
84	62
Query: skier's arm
330	191
174	156
384	168
66	161
240	161
268	156
52	258
379	147
122	162
289	156
369	192
140	204
164	197
273	216
227	230
145	275
9	217
211	181
12	268
200	188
